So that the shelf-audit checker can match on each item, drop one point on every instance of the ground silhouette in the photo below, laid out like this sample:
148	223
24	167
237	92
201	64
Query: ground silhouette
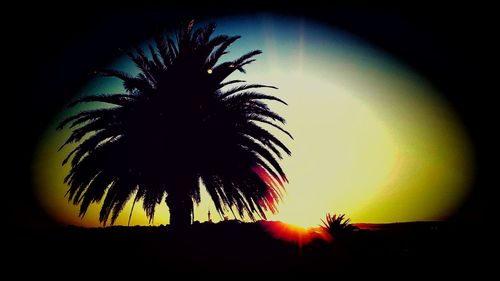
233	246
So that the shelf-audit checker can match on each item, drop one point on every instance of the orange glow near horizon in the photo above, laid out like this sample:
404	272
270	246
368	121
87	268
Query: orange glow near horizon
372	139
294	233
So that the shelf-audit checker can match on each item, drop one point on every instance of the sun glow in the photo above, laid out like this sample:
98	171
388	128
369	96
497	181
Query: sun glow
371	138
293	233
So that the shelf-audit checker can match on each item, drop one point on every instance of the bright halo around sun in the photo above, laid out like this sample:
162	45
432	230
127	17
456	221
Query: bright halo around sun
372	139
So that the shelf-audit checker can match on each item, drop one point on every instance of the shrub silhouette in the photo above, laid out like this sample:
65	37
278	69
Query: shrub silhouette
338	226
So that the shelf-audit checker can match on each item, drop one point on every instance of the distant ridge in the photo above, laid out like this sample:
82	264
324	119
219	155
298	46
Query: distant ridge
401	225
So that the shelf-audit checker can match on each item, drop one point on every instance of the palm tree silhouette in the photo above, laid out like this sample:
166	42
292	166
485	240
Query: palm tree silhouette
178	124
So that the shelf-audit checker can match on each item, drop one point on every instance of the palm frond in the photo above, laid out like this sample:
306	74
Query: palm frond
116	99
224	42
246	87
129	83
259	118
221	85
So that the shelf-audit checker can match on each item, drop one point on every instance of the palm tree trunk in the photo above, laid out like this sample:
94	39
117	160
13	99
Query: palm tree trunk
181	209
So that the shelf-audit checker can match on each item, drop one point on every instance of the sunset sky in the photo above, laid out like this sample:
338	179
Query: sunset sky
372	138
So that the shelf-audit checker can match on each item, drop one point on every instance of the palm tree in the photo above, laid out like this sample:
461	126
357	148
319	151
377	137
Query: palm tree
178	125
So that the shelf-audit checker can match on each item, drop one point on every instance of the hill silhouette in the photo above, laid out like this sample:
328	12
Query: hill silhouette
233	246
